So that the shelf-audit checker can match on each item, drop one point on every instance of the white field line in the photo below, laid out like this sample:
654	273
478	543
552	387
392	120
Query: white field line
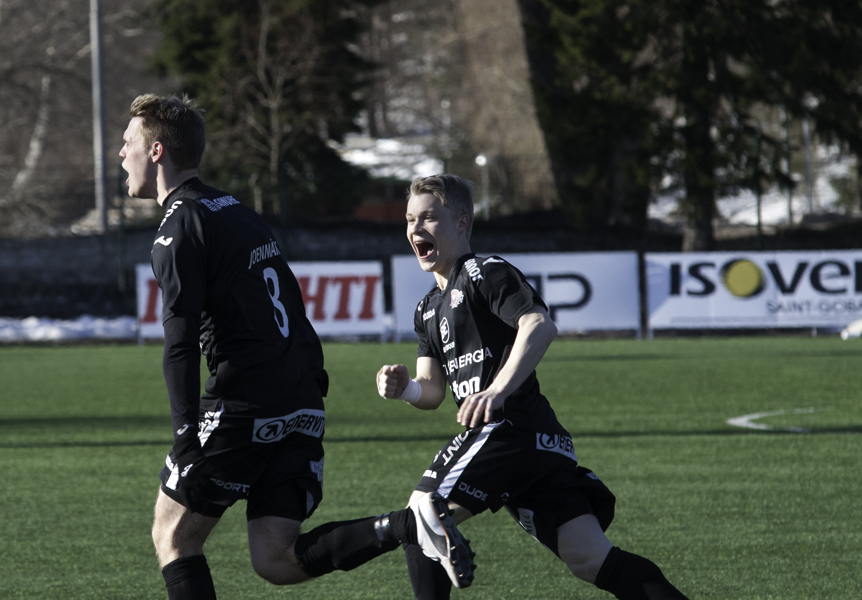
747	421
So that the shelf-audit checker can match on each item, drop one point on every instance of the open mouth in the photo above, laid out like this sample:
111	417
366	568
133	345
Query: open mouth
424	249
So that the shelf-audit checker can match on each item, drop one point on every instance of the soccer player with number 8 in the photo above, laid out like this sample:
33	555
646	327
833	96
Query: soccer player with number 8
256	433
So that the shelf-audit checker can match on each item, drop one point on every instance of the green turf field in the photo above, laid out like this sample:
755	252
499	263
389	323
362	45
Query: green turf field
728	513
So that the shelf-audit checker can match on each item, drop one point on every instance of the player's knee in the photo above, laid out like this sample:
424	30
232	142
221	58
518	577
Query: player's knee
156	535
267	572
278	569
175	535
162	533
272	555
584	563
166	550
583	546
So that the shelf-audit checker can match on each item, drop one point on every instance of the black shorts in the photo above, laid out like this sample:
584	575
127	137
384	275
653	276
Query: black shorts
271	459
535	476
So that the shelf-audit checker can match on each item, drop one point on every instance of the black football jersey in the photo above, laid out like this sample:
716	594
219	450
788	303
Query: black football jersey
470	328
227	292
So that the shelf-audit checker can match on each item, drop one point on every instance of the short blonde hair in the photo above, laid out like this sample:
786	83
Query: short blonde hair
177	123
452	191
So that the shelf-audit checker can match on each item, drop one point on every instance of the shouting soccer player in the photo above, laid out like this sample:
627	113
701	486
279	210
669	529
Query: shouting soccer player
482	331
256	433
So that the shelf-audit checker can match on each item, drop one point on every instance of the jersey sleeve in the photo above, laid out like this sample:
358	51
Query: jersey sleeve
419	327
180	267
506	291
179	261
181	367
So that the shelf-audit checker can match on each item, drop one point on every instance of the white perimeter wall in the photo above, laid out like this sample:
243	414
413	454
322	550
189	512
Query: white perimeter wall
590	291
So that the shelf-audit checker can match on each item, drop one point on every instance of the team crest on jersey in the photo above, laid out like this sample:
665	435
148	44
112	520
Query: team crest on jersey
456	298
444	330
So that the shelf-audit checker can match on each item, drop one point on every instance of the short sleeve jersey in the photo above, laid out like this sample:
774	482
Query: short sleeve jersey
217	261
470	328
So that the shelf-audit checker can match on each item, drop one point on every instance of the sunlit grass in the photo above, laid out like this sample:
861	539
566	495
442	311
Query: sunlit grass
727	512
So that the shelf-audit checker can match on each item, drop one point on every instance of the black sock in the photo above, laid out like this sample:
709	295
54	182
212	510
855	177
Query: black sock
189	579
402	526
342	545
428	577
631	577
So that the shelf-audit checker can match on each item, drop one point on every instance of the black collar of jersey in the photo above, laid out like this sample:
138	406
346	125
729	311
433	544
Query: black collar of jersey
188	184
453	273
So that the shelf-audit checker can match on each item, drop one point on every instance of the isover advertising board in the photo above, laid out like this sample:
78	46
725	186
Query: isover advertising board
754	289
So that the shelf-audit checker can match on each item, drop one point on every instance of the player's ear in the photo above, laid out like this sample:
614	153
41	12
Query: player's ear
464	222
157	151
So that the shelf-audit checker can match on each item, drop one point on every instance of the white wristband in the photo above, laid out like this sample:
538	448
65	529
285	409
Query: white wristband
412	392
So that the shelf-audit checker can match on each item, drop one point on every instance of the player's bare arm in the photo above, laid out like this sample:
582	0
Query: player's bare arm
392	381
536	331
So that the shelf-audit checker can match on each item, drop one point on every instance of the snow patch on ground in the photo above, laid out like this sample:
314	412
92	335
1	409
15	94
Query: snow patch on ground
85	327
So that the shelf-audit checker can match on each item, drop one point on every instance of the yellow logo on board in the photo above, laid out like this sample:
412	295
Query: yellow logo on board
742	278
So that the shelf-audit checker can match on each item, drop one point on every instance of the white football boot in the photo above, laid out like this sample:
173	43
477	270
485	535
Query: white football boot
441	541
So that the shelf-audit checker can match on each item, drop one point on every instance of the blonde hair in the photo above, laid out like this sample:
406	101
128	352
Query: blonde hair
452	191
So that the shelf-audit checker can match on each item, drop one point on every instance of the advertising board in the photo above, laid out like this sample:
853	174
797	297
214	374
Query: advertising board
583	291
342	299
754	289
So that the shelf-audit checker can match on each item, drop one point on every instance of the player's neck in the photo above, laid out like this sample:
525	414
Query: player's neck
169	181
443	275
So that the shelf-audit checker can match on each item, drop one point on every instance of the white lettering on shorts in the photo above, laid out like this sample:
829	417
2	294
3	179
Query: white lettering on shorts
457	469
210	422
525	518
308	421
242	488
172	481
317	468
561	444
450	450
471	491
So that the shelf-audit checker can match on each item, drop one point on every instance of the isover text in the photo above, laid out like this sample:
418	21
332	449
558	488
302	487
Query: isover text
827	277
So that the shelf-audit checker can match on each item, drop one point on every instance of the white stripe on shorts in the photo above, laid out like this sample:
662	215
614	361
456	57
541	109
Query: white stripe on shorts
455	472
210	422
175	473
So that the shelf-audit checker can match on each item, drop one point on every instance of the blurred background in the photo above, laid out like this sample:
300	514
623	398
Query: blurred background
690	125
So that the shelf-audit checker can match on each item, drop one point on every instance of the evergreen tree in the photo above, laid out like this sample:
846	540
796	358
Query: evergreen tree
636	96
278	81
594	108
